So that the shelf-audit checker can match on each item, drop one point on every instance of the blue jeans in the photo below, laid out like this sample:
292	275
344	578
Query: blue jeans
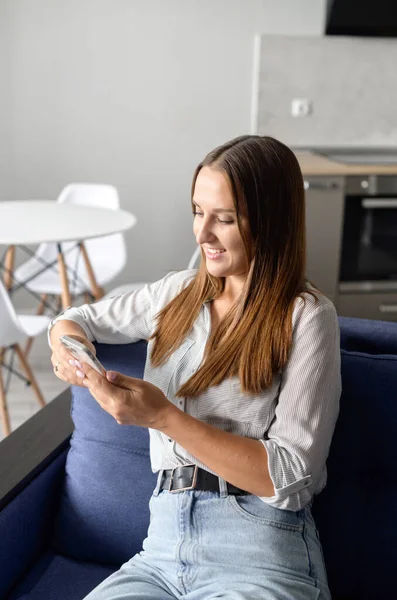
203	545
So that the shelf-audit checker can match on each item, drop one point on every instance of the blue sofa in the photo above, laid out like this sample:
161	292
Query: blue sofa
74	507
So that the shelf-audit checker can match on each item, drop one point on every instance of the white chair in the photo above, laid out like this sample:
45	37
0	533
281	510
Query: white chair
130	287
13	330
195	258
107	254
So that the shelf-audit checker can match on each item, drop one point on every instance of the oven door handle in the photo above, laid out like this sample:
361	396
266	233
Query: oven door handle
387	308
321	185
379	203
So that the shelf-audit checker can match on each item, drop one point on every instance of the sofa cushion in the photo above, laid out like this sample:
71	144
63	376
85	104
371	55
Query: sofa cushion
56	577
104	515
355	513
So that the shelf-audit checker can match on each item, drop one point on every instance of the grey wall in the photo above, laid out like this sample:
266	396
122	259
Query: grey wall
132	93
6	150
351	81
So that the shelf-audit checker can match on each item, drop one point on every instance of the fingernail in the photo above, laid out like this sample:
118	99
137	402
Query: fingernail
80	374
78	364
72	362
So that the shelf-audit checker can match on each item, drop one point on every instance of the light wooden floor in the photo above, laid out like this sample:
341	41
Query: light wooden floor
21	399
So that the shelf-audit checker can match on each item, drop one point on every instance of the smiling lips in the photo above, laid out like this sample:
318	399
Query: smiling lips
213	253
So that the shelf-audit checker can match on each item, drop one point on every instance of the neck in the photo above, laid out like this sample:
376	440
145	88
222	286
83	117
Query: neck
233	288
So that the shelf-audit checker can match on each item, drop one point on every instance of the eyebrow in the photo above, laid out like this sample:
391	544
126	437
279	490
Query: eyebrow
218	210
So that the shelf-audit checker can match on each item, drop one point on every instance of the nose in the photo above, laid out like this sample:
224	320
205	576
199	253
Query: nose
203	232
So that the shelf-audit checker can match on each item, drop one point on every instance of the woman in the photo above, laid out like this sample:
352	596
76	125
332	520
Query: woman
240	393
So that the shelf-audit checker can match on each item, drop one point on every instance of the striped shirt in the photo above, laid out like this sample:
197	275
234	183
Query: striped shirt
294	419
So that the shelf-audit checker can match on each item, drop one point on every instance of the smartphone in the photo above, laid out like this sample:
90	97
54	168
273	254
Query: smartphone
82	353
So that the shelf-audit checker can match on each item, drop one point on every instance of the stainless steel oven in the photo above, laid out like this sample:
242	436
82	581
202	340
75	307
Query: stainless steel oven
368	259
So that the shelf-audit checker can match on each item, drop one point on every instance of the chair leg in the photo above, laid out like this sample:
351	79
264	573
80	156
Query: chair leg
58	304
4	416
29	373
9	265
97	291
66	297
39	311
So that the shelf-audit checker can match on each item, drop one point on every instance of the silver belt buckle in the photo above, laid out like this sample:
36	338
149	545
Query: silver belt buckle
190	487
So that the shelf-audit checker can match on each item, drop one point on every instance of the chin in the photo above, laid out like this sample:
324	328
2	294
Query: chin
217	270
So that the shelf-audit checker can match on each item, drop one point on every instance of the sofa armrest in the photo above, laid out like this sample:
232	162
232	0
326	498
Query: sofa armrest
31	447
32	463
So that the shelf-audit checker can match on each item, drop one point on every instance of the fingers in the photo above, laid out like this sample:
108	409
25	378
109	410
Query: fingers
92	379
107	394
123	381
59	372
65	368
64	363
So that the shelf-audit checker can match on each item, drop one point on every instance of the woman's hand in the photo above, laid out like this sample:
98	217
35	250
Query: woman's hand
64	363
130	401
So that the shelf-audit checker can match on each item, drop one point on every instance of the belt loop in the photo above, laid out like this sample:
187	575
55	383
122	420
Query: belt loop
156	490
223	488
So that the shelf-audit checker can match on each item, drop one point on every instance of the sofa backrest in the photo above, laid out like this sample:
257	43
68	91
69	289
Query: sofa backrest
104	514
371	337
355	513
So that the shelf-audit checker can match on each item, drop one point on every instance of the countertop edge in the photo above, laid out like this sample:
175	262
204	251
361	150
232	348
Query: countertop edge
313	164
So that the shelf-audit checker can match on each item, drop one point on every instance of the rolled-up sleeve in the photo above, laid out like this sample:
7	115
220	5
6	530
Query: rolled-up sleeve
299	437
127	318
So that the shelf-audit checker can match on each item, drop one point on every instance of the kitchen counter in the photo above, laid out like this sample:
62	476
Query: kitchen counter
316	164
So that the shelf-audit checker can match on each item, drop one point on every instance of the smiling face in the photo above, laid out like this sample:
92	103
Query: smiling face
216	228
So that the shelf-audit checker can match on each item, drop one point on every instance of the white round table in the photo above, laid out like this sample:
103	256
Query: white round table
25	222
36	221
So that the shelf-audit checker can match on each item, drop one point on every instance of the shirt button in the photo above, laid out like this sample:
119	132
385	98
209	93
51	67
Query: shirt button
169	439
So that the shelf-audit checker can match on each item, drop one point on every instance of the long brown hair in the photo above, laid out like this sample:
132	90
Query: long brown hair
254	338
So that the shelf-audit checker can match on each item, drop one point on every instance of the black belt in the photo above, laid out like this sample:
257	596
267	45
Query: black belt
192	477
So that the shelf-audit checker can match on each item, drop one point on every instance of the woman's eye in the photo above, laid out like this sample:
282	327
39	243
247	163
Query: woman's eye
200	214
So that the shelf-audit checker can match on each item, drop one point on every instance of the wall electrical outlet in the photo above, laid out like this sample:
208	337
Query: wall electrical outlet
301	107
